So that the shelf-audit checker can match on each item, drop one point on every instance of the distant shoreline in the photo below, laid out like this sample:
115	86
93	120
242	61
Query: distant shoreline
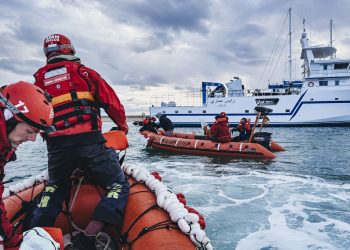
129	118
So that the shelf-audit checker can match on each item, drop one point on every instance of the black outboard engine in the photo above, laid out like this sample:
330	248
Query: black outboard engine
263	138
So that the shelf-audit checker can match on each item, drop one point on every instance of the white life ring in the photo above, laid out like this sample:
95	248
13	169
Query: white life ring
310	84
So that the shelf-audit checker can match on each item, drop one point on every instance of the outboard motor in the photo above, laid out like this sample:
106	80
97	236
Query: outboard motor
263	138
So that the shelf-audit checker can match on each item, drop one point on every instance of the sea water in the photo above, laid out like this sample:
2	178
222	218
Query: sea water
300	200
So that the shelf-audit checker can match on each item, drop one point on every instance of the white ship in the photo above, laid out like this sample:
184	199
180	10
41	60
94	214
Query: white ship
321	99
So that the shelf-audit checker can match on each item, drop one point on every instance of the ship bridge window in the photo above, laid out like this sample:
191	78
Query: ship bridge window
246	111
190	111
204	111
176	111
336	83
267	101
325	66
341	65
323	83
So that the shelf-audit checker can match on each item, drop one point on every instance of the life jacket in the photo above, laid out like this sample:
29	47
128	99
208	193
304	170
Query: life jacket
6	153
221	131
72	99
244	127
244	130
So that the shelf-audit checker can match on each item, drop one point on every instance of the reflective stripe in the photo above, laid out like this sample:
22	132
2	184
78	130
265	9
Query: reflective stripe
160	142
195	145
67	97
44	201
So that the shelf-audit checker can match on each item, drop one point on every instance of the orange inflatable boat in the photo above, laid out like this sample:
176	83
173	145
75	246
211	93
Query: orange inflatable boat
198	145
271	145
259	145
154	218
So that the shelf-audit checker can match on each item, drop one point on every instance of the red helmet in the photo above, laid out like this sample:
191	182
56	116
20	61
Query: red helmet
57	44
28	103
222	114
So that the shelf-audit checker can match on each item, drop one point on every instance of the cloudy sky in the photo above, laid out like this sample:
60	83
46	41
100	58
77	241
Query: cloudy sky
145	47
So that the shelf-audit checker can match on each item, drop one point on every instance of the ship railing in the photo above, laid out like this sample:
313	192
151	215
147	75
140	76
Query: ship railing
329	73
194	98
176	99
271	92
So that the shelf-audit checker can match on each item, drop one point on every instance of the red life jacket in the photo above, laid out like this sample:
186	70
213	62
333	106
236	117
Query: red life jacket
5	148
72	98
221	131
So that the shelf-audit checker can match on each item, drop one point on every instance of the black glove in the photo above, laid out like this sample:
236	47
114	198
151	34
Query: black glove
83	242
114	128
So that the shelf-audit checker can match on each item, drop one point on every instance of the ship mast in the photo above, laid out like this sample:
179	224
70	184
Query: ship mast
290	45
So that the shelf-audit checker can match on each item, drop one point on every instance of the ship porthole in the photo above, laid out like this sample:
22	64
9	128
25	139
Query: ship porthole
310	84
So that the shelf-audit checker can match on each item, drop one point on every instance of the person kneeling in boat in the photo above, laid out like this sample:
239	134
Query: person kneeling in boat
149	125
244	129
24	111
220	131
78	95
165	123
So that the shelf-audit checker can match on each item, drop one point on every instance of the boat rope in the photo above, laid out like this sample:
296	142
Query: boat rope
187	220
25	184
125	235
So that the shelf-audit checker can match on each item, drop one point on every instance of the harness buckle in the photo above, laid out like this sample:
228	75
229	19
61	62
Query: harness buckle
87	110
84	102
66	123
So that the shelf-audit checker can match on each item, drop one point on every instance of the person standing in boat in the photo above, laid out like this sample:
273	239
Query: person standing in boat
244	129
220	130
24	111
78	93
149	125
165	123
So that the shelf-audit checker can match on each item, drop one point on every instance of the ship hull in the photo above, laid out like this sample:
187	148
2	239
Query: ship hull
328	106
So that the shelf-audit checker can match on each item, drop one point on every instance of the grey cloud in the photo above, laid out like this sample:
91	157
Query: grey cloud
157	40
164	14
20	66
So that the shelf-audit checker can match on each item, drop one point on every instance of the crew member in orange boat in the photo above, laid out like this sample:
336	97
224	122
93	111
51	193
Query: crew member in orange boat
78	93
220	131
244	129
149	125
166	124
24	111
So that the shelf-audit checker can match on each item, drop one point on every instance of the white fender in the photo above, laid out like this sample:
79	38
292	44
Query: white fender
192	218
150	178
184	226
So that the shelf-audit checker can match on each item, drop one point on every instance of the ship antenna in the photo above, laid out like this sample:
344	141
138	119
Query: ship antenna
330	32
